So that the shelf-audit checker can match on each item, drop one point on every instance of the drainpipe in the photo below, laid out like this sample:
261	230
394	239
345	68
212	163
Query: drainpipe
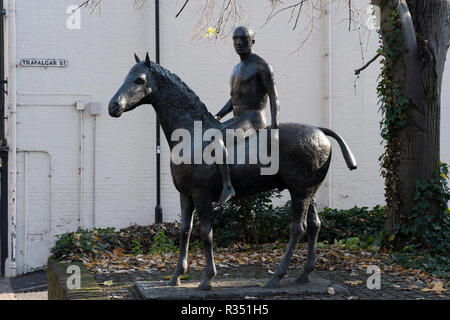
94	166
3	150
158	208
81	106
94	110
3	81
4	210
25	246
12	136
330	99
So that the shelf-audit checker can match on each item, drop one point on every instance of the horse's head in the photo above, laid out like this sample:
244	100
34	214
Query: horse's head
136	89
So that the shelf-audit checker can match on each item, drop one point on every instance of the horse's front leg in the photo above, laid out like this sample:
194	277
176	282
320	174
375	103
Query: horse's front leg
204	211
187	207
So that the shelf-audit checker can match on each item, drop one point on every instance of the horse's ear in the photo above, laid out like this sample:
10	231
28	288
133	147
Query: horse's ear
137	58
147	60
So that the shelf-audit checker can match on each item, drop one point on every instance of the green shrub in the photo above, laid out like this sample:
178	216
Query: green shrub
158	238
362	223
161	244
425	233
85	242
424	229
252	220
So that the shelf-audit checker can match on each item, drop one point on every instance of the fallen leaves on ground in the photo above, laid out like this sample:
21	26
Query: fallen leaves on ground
117	252
353	282
108	283
269	256
435	286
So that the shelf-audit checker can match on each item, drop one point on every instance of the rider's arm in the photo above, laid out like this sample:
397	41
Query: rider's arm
266	73
227	108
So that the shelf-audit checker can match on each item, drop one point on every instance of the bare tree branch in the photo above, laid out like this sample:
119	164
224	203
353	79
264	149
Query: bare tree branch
293	7
350	14
84	3
358	71
222	17
182	8
95	4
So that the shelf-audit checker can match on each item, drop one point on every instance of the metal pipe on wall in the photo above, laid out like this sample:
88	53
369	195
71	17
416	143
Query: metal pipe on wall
81	168
158	208
4	210
25	247
12	138
330	97
2	75
3	151
94	191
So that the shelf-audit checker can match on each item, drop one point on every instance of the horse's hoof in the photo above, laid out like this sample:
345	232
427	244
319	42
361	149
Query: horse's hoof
173	282
304	278
272	284
205	286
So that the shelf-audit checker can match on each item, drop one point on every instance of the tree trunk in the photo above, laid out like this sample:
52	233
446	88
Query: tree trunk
426	34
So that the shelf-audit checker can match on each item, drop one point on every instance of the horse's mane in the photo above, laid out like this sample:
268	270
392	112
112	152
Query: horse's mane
172	82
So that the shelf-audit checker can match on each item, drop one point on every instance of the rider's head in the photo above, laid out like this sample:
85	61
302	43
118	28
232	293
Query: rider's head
243	40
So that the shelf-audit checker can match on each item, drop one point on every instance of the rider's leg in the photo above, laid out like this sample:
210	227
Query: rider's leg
227	190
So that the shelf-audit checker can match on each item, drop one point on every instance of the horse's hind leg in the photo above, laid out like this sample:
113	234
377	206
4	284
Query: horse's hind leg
204	211
299	209
313	227
187	207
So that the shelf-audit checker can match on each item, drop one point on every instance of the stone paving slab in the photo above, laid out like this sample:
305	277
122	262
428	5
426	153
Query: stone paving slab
234	289
9	290
5	290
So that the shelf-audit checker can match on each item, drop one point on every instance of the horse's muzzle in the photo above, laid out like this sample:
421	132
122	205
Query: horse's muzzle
114	109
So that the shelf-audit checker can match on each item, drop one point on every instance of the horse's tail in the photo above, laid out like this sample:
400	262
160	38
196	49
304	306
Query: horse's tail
346	152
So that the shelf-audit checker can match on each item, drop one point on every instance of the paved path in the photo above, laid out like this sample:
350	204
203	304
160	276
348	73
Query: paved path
32	286
5	290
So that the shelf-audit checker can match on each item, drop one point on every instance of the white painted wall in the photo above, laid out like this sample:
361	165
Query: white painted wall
316	85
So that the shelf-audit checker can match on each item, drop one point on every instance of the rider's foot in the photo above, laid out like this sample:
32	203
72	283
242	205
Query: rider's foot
227	193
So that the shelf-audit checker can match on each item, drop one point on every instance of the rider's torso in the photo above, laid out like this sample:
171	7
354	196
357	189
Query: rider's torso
247	89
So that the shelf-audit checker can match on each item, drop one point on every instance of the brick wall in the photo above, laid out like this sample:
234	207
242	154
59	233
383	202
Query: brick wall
314	83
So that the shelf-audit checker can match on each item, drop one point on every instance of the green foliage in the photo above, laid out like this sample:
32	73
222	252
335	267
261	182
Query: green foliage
195	245
431	230
85	242
355	223
393	103
161	244
353	243
393	106
251	220
436	264
137	247
254	221
426	233
134	239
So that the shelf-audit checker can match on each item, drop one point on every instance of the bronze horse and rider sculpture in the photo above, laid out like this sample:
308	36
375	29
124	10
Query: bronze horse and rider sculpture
304	151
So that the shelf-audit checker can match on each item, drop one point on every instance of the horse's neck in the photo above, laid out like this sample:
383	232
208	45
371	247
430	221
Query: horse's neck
176	111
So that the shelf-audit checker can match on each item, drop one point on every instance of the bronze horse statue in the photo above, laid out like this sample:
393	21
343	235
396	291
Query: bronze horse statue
304	153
